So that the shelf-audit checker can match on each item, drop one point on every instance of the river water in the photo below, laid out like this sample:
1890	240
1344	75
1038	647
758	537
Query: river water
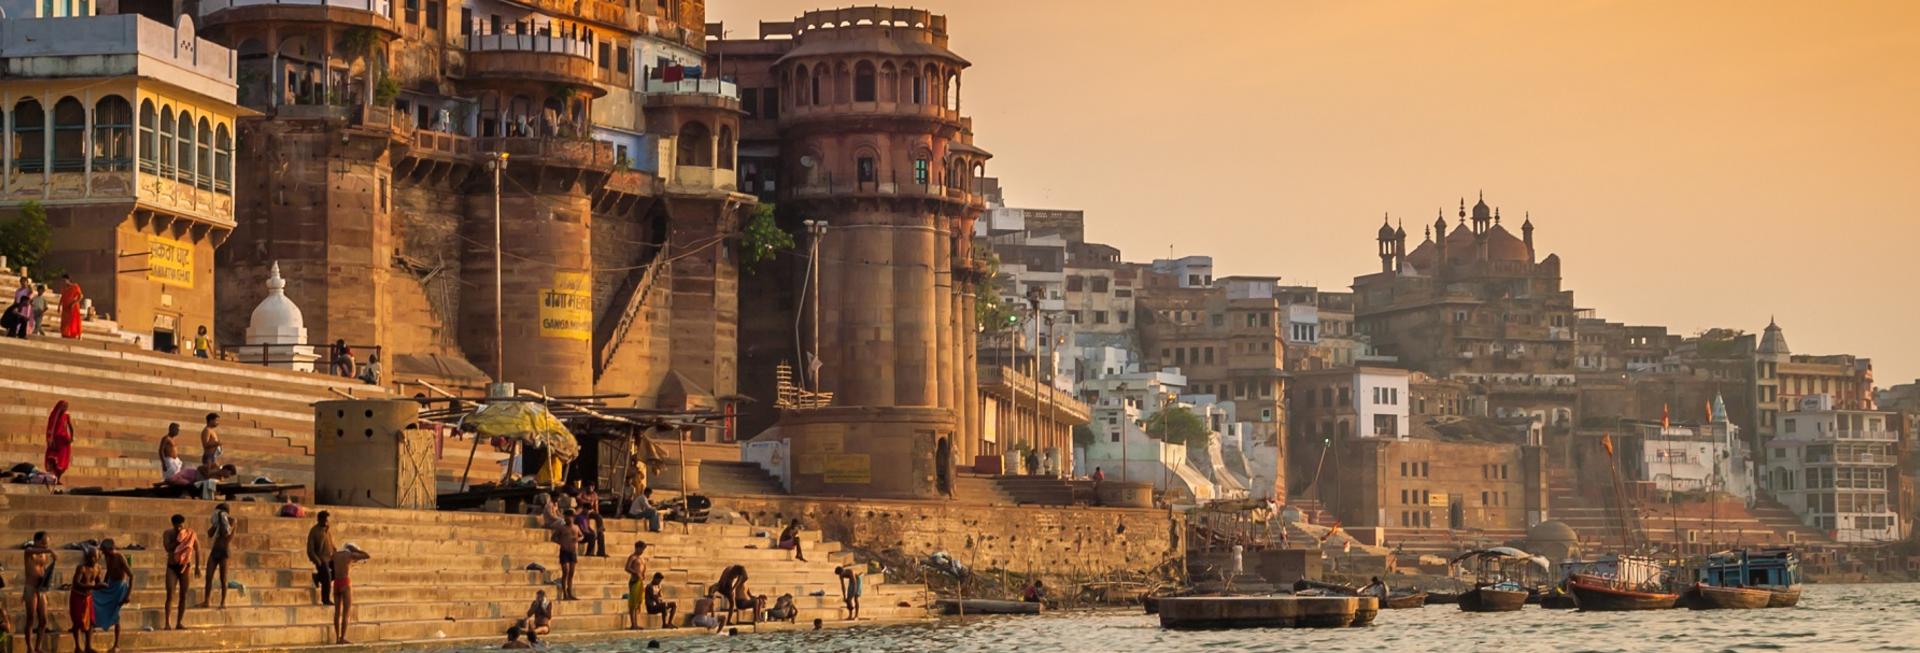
1829	618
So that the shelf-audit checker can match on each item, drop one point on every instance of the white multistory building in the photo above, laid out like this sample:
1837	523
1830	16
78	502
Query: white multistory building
1835	468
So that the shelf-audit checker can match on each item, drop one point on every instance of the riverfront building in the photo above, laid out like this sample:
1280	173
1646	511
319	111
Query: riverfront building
1836	468
122	129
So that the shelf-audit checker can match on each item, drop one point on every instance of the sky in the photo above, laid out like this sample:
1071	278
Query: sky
1695	164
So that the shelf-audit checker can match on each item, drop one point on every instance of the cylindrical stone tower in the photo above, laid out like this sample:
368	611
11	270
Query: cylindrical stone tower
874	144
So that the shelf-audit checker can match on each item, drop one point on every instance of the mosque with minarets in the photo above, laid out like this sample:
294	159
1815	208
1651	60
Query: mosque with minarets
1475	303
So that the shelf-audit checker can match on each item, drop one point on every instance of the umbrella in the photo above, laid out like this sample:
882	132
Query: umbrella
528	422
1506	552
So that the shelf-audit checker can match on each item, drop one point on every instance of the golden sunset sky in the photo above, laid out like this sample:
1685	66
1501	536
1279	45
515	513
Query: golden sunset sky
1695	164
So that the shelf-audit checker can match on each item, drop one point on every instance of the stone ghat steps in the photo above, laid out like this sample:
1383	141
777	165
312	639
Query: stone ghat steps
124	398
735	478
120	357
435	574
980	490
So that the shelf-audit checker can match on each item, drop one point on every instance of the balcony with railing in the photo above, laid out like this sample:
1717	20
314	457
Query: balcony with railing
367	13
584	154
1870	435
533	58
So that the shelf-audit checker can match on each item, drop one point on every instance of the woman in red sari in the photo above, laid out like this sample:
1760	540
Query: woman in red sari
70	299
59	440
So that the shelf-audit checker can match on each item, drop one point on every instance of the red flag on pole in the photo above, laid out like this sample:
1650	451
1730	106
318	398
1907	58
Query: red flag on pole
1606	440
1666	419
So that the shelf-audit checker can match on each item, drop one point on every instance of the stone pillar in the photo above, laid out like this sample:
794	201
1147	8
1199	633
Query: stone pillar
857	309
942	300
705	282
547	286
1533	472
916	327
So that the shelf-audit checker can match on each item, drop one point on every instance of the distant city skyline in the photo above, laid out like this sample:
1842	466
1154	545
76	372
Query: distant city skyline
1695	166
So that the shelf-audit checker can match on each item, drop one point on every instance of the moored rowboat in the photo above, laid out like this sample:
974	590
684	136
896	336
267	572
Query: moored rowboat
1404	601
1709	597
1783	597
1488	598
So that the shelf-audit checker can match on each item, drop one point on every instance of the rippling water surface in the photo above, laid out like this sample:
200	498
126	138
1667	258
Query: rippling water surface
1830	618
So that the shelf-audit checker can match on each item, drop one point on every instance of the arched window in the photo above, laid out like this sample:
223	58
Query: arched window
813	86
725	160
863	82
889	83
29	136
69	135
167	163
695	145
183	149
203	162
953	92
112	134
149	156
842	84
797	93
956	172
223	160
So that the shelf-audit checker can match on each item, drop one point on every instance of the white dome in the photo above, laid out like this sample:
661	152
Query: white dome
276	315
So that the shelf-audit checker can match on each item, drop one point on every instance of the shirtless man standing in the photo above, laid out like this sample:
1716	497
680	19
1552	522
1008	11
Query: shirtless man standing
170	452
567	535
117	593
343	589
90	575
39	577
210	442
183	555
636	589
220	534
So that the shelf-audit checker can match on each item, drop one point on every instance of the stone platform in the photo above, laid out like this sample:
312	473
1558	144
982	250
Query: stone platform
1198	612
434	576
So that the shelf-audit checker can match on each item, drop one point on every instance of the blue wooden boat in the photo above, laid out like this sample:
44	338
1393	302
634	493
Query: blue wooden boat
1775	570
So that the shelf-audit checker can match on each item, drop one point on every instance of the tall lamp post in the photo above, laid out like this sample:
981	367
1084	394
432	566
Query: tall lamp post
499	163
816	230
1034	297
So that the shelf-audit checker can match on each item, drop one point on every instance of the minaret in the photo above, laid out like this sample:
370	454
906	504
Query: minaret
1526	234
1385	240
1400	246
1482	222
1440	232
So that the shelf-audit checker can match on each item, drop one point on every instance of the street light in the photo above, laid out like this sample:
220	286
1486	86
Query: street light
816	230
498	163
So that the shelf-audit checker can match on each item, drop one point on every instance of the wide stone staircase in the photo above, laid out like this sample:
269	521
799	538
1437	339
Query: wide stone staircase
122	398
736	478
433	575
976	489
1691	525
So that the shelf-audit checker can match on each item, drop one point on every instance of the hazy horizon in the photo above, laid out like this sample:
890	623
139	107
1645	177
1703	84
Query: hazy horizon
1694	165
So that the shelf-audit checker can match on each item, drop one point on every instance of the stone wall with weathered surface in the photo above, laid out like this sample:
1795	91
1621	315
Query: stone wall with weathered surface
1045	540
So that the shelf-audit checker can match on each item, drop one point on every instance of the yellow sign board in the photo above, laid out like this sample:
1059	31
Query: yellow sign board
169	262
1437	501
566	309
847	468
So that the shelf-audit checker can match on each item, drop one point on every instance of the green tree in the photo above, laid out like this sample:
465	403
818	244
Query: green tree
25	237
1177	425
1083	436
989	313
762	238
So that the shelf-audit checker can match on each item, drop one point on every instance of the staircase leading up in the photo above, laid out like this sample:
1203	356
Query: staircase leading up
736	478
980	490
434	576
122	399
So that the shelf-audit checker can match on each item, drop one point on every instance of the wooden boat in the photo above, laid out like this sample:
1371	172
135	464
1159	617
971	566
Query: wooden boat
1775	570
1708	597
1403	601
1492	598
1558	601
1443	598
1600	594
985	606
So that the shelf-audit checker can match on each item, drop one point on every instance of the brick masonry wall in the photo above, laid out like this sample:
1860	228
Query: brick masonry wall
1050	541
